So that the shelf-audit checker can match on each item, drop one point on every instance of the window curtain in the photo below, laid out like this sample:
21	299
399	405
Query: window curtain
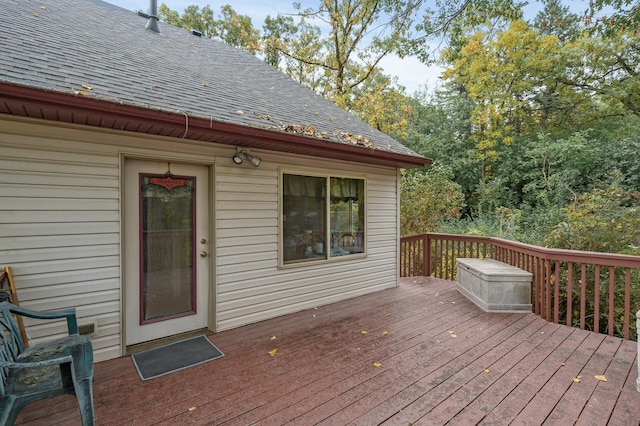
303	186
344	189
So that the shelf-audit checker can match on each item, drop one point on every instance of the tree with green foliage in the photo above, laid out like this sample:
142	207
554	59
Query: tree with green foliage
428	199
193	18
625	16
278	31
439	127
552	104
230	28
237	30
607	71
604	219
360	34
299	40
449	23
556	19
380	102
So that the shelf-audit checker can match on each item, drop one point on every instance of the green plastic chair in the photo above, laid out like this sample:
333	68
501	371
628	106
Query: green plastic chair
45	370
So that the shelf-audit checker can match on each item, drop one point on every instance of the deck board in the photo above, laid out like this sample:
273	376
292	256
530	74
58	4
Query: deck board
442	360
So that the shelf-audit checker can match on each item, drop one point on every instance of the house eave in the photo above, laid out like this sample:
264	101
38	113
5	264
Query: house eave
83	110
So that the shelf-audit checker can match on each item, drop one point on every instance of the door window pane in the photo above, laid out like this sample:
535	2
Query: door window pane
167	242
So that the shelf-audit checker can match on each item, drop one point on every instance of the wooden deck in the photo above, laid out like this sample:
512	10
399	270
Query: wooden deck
441	361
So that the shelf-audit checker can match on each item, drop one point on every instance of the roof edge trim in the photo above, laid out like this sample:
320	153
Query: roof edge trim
80	109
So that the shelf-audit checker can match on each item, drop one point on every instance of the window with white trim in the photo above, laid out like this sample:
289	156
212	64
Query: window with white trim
322	217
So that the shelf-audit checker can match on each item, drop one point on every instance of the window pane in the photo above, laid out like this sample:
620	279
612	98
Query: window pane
304	218
347	216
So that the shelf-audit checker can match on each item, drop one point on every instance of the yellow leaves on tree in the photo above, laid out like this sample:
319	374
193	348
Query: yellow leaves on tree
503	77
383	106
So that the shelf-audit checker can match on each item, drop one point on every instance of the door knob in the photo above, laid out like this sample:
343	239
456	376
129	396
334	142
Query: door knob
203	254
203	241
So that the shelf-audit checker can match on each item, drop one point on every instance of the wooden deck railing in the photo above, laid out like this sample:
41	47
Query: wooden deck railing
594	291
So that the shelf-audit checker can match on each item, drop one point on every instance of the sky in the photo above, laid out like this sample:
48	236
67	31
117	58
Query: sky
411	73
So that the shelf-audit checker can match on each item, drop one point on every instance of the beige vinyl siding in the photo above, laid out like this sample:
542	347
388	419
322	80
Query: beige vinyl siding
60	225
251	286
59	231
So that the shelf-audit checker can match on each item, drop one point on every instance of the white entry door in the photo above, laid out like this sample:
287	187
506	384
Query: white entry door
166	247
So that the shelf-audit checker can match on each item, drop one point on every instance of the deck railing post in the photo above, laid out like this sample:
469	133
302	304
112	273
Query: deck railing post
427	256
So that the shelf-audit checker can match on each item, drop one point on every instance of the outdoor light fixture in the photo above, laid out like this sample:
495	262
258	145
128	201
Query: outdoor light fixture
240	156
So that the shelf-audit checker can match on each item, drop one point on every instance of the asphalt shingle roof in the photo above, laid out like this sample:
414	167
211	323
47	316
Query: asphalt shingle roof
97	50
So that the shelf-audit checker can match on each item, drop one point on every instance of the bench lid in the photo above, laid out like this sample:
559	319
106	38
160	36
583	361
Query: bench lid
492	268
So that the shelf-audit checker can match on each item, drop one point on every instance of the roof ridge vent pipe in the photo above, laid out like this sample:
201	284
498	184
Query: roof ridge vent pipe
152	22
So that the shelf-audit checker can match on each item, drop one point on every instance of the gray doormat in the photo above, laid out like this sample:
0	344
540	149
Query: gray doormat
174	357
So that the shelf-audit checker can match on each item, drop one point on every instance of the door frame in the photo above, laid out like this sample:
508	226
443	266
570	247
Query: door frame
211	199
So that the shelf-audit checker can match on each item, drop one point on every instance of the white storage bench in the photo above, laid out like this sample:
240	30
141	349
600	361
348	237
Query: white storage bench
494	286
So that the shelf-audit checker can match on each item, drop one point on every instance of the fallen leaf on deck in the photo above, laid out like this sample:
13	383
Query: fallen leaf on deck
192	408
377	364
486	370
601	378
363	332
273	352
273	337
542	332
453	303
576	380
384	333
205	84
454	335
